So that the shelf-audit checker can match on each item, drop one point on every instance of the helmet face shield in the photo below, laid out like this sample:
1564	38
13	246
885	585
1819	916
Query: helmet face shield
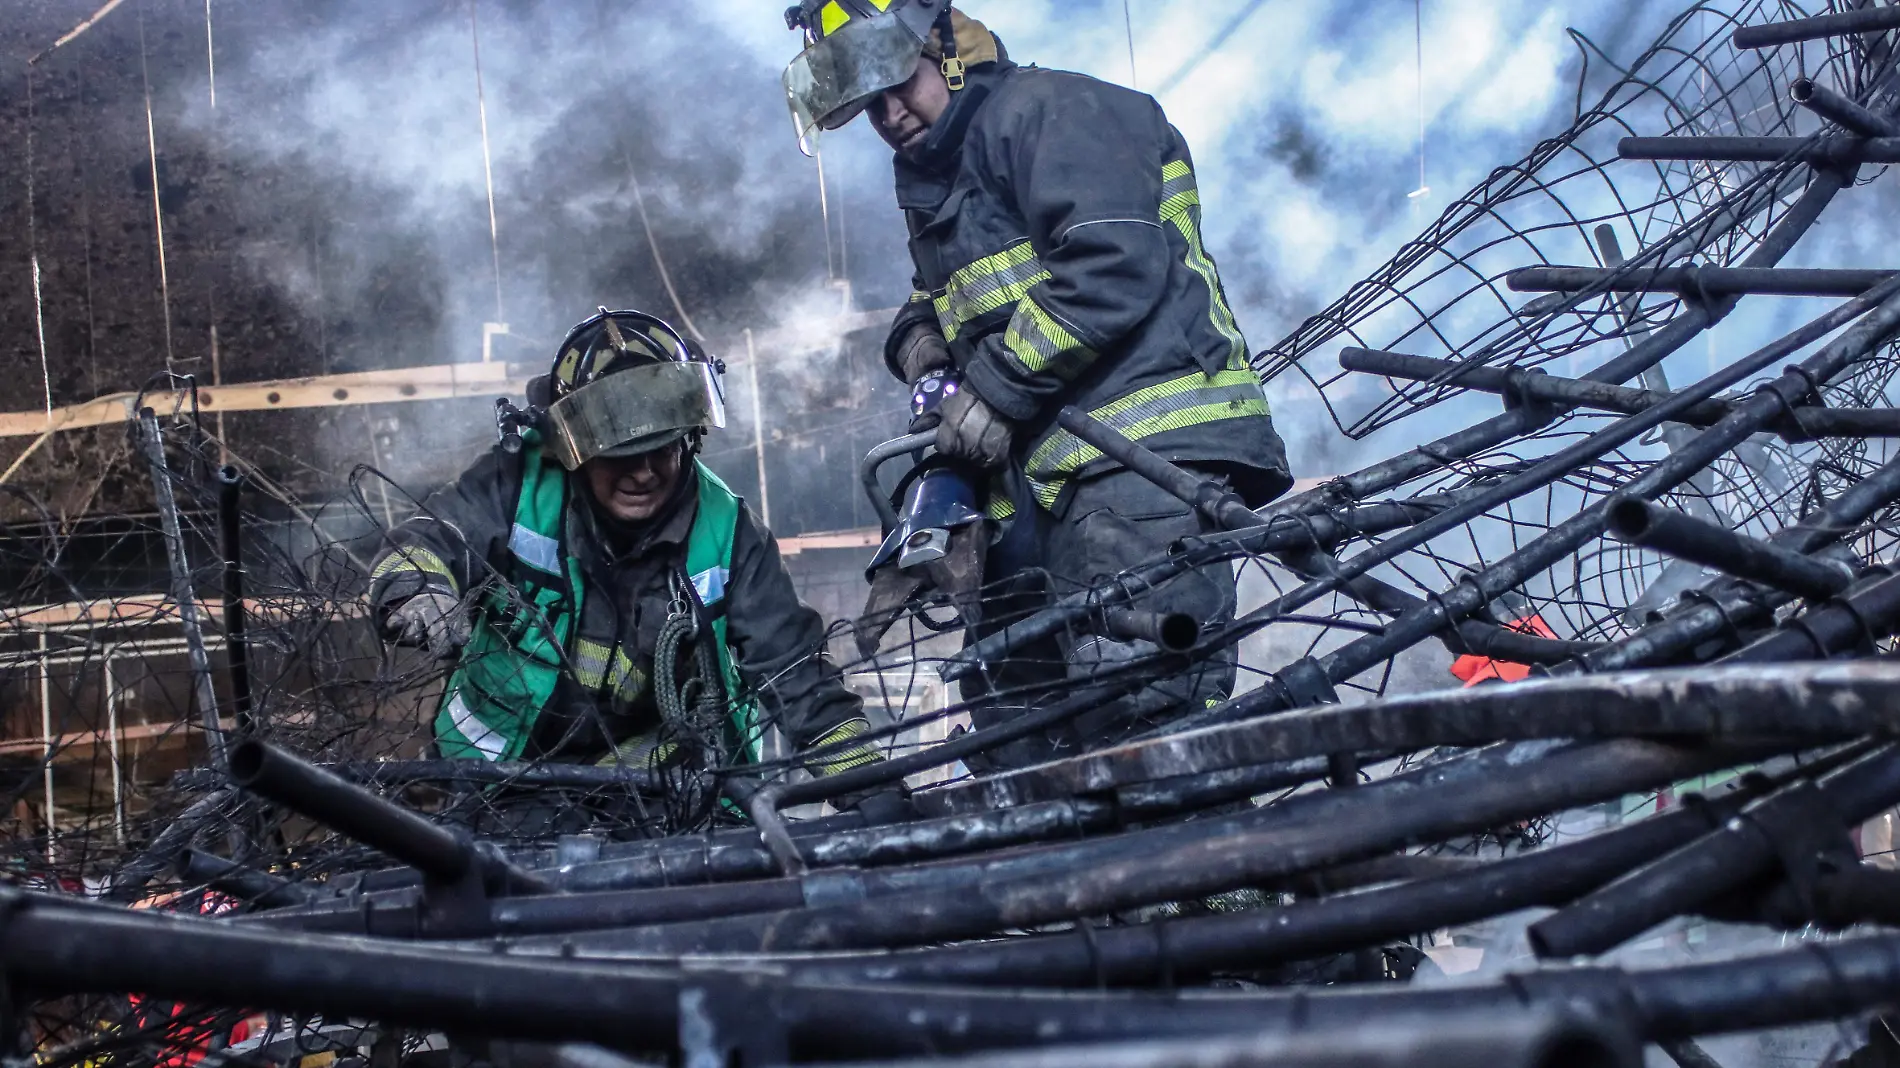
635	411
834	79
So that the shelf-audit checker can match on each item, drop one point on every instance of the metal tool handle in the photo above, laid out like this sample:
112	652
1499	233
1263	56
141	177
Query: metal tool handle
877	458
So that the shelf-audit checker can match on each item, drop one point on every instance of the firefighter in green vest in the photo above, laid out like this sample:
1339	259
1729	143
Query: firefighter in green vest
604	597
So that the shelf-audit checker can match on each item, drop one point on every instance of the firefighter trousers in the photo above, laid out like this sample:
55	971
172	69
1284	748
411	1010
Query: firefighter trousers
1108	524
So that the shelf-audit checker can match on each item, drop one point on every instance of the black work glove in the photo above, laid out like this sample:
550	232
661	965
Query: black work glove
972	430
920	351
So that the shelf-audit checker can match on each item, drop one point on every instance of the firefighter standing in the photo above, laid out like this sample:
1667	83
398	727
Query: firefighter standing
605	597
1056	237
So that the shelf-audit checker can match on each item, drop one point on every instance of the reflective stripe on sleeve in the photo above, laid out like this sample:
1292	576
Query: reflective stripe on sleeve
414	558
1190	400
1041	343
993	282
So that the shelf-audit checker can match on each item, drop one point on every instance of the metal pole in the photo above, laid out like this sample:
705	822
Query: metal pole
1864	20
182	593
1827	151
758	429
237	653
114	741
46	733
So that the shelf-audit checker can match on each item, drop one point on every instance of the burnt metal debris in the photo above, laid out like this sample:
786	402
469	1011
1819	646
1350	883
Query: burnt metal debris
1665	582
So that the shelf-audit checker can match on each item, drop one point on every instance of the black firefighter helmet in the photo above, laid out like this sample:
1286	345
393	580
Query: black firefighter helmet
625	383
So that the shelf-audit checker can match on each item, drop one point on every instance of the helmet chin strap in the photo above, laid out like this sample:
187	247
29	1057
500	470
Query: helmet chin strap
952	65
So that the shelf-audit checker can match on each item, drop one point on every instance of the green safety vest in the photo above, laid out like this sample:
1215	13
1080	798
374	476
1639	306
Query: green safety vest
522	642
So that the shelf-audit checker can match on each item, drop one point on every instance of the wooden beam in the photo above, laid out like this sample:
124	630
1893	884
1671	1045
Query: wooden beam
438	382
140	608
68	746
865	538
446	381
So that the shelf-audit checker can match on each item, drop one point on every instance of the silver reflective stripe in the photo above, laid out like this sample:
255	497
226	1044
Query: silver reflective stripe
711	585
536	549
491	744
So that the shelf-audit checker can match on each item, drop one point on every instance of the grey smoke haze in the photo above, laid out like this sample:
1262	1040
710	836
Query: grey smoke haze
1305	123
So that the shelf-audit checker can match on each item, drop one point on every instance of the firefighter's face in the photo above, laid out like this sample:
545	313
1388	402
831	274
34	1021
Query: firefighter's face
903	116
632	489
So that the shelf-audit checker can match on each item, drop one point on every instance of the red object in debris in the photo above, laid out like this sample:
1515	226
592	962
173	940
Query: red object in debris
190	1038
1475	669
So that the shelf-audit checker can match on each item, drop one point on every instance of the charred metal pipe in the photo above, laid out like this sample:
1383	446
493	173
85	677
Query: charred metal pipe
1226	509
1713	614
1699	541
1190	860
527	774
1881	308
1084	699
1804	422
259	888
59	948
1819	701
1278	534
1734	856
1826	151
1695	281
237	650
1194	947
1839	110
1864	20
1173	632
1533	385
1219	504
1538	1038
437	852
152	445
1861	616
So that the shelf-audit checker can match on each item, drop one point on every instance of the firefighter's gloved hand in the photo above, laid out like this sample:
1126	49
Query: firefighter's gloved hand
921	351
972	430
432	621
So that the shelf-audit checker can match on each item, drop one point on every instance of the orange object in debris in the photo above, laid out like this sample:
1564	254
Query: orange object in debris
1474	669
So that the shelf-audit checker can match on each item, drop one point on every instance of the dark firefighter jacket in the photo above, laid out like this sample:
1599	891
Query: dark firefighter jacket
462	537
1056	233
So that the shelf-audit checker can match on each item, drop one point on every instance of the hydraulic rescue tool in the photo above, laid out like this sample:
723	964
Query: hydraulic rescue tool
933	548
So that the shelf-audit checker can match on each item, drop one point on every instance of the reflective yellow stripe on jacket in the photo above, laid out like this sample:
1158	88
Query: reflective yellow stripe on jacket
416	560
993	282
1189	400
1181	207
596	668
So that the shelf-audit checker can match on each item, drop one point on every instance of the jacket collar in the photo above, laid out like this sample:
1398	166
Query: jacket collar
942	149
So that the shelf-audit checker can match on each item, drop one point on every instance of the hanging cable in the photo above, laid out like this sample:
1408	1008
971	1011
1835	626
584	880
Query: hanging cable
88	24
1128	20
158	208
1418	43
211	58
33	252
666	276
488	170
824	212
